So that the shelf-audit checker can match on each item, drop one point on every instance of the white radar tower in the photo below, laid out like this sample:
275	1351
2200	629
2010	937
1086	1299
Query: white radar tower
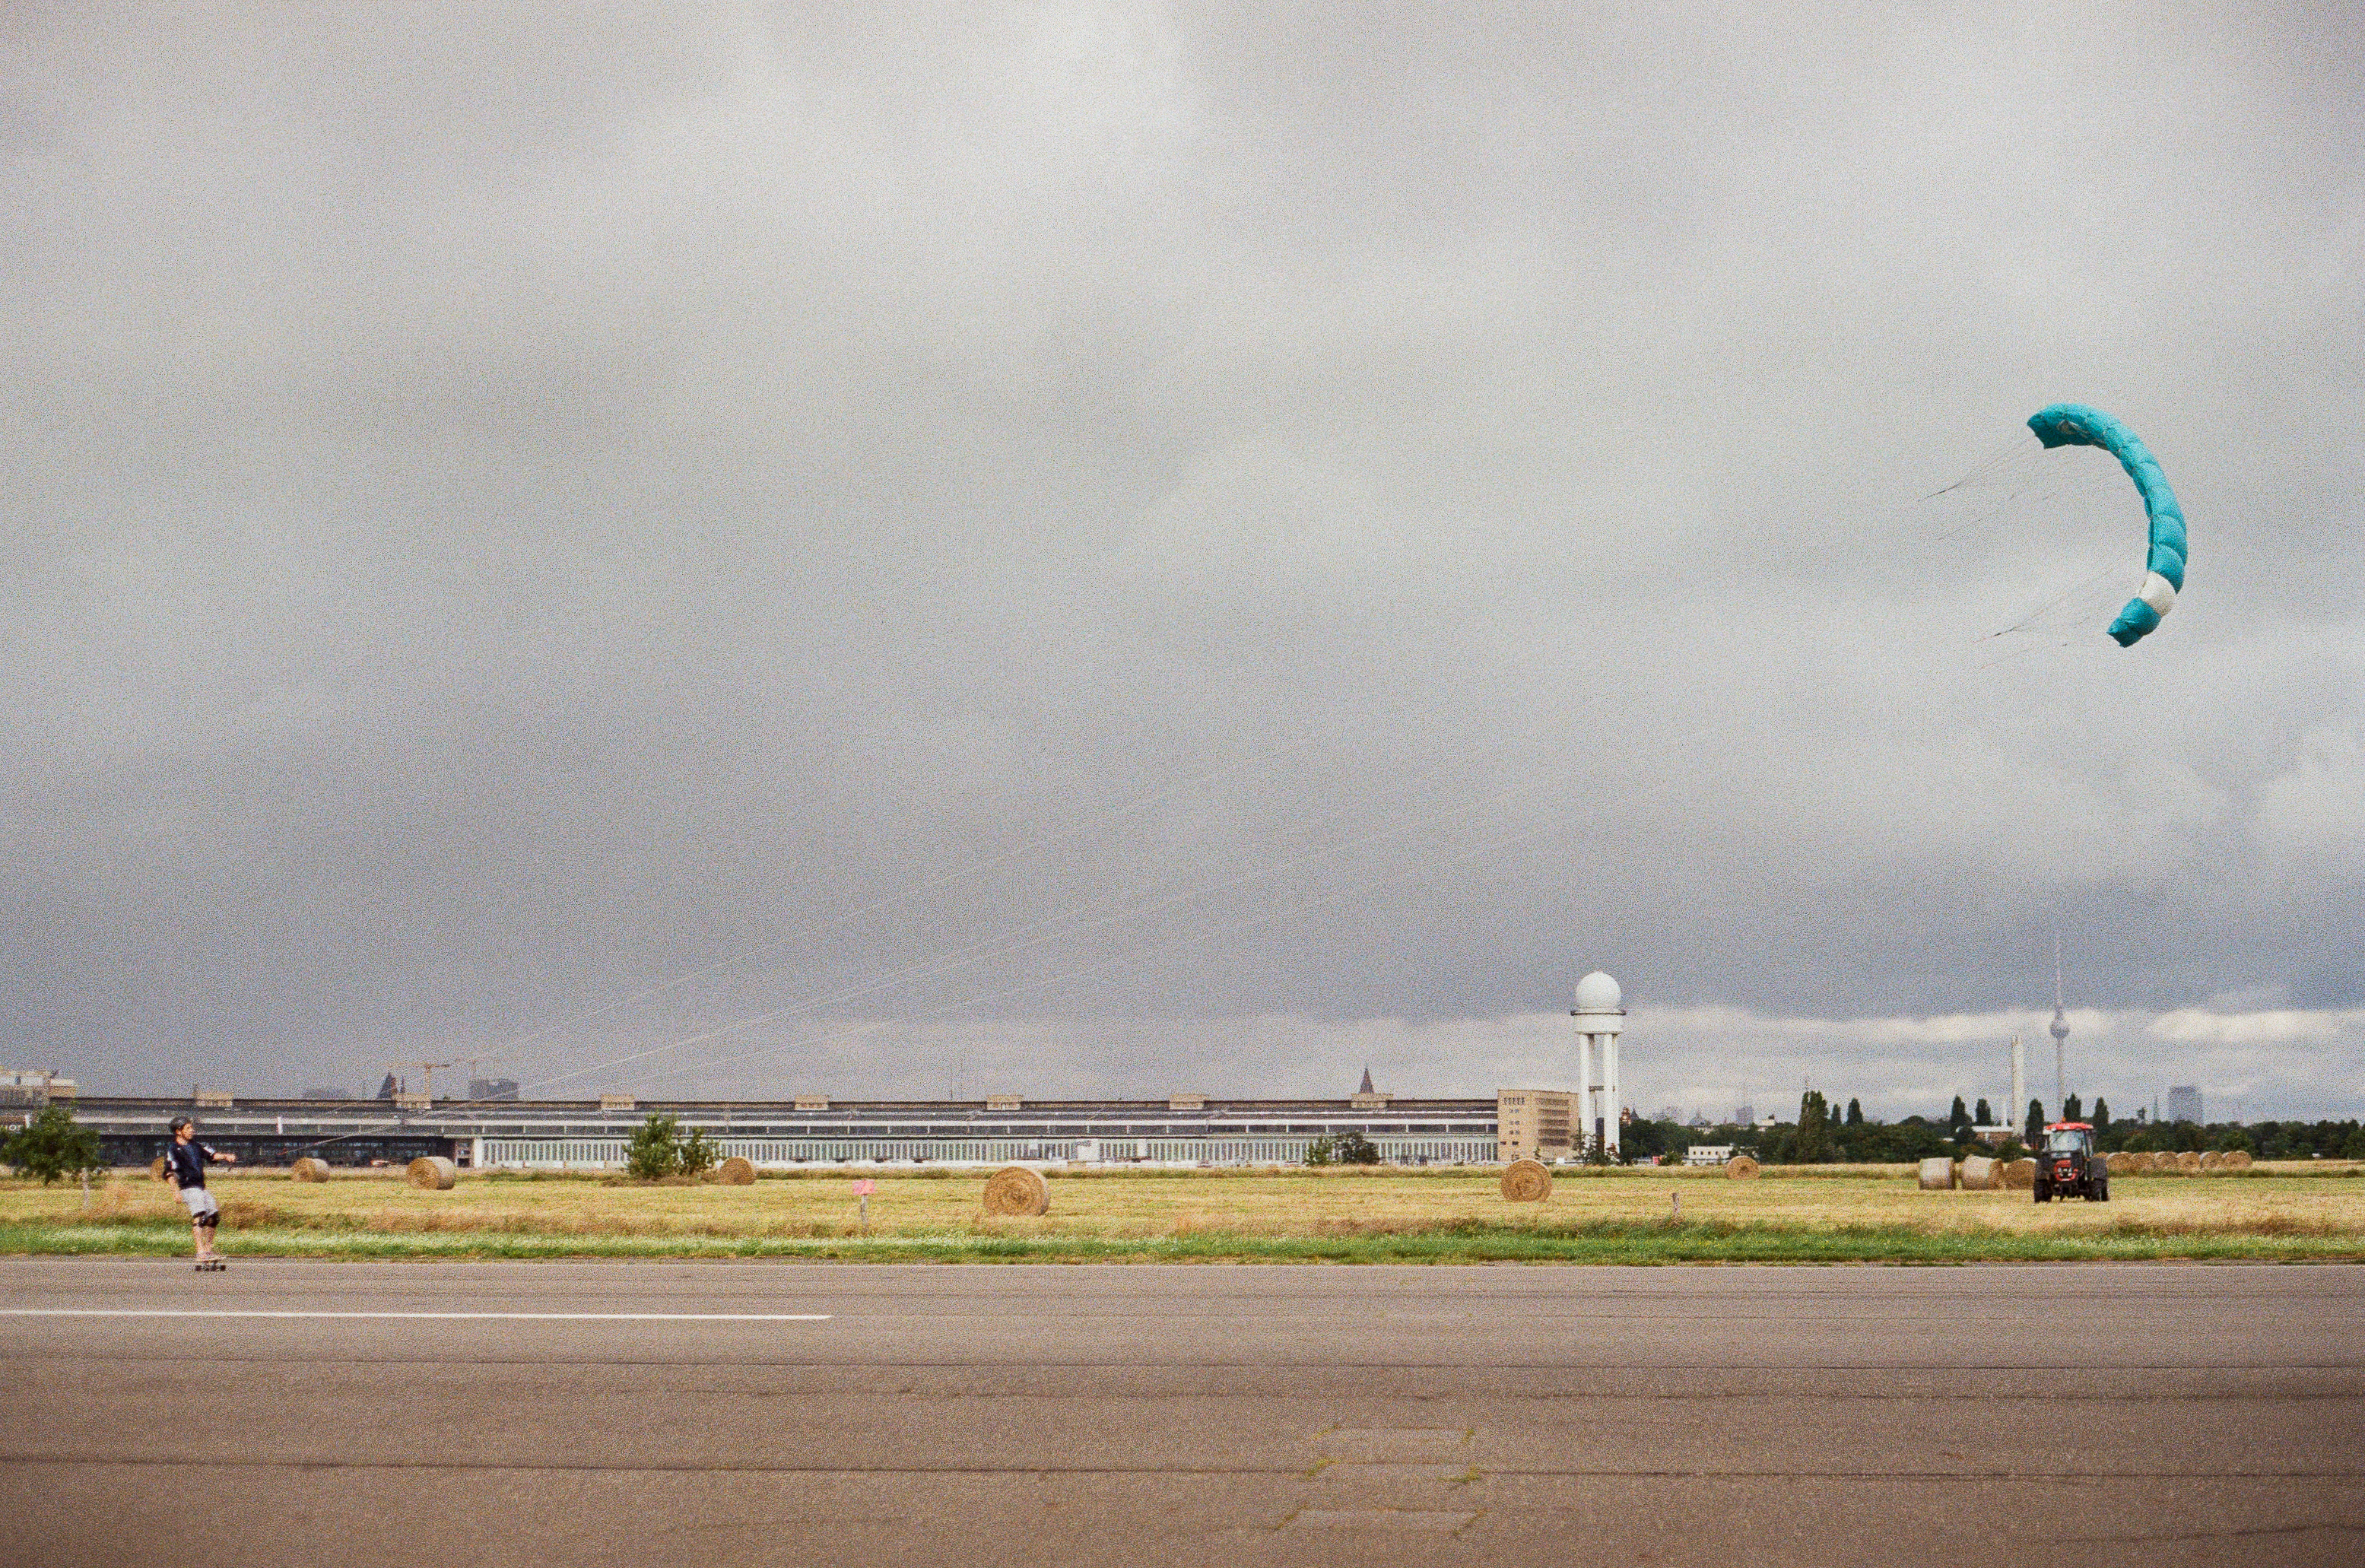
1600	1017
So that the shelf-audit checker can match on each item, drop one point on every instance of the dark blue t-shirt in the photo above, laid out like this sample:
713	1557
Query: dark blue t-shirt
187	1161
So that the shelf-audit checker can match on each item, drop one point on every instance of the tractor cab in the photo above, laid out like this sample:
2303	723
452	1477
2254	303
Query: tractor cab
2067	1167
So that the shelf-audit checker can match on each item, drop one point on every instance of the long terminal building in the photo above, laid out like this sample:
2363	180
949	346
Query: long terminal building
1183	1130
490	1132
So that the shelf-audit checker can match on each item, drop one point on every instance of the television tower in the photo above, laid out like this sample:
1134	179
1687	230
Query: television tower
2059	1030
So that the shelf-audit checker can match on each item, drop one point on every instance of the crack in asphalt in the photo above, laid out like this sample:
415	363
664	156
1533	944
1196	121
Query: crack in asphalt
1701	1472
1801	1370
2213	1534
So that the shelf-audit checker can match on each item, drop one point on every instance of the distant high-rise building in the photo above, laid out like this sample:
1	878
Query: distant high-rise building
34	1086
1744	1116
2184	1104
2015	1110
2059	1030
1537	1124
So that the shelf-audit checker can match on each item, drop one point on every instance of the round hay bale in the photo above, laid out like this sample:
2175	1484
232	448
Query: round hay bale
1016	1190
1741	1167
2143	1162
2213	1160
1526	1181
2119	1164
1937	1174
736	1171
432	1173
156	1167
2238	1159
1981	1175
310	1170
2020	1175
2188	1163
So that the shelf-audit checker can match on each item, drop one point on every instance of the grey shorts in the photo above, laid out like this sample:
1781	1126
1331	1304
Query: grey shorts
200	1202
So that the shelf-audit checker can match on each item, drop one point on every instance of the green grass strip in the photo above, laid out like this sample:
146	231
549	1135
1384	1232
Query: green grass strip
1608	1242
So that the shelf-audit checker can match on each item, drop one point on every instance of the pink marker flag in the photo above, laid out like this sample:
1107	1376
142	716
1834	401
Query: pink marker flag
865	1187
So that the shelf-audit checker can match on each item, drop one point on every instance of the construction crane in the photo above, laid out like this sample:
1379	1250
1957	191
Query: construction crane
426	1075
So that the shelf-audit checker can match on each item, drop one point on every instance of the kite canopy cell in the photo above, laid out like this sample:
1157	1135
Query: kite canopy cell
2075	424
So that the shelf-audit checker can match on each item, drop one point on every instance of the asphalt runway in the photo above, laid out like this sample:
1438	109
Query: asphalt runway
654	1415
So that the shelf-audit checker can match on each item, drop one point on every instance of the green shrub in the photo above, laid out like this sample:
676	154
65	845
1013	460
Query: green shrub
655	1152
52	1145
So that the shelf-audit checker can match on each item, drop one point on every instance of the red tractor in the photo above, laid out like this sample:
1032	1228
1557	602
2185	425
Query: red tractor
2067	1167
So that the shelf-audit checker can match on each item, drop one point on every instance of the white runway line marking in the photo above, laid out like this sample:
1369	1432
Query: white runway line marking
532	1317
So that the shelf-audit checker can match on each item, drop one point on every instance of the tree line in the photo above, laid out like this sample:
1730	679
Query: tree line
1825	1135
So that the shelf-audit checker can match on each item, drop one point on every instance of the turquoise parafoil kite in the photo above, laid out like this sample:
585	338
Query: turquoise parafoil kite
2074	424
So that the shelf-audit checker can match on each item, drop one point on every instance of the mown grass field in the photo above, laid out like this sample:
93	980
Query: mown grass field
1814	1215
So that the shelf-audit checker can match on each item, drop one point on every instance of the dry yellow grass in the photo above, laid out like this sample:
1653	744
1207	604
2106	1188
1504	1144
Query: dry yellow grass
1285	1203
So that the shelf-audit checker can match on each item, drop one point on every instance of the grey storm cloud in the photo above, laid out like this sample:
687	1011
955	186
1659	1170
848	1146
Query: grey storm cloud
565	537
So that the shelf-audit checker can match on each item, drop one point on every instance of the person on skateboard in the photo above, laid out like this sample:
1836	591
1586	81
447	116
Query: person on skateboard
185	1167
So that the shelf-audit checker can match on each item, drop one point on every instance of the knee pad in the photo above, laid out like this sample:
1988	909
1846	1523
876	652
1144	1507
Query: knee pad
210	1218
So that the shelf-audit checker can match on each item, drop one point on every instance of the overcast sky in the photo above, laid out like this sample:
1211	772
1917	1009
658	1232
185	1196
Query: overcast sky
1104	548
